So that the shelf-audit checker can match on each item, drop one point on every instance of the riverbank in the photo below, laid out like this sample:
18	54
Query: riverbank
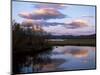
76	42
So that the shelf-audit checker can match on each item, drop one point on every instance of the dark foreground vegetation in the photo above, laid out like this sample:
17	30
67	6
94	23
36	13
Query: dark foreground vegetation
28	40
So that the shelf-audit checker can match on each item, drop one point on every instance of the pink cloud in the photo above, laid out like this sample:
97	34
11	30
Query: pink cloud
43	13
79	23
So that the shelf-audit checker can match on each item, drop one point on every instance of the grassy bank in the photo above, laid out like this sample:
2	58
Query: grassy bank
77	42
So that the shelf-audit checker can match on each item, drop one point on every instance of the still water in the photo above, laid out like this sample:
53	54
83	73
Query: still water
58	59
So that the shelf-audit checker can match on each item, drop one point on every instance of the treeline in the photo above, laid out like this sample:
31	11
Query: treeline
93	36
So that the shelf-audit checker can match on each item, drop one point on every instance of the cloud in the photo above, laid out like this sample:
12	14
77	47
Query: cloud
75	28
78	23
54	6
72	25
30	22
55	30
43	14
26	15
62	30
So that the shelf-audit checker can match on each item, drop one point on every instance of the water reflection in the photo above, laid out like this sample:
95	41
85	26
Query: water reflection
78	57
25	63
59	58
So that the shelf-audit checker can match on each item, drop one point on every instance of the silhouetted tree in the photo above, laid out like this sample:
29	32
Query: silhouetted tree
28	40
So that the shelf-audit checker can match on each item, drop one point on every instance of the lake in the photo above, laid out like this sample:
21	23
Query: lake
58	59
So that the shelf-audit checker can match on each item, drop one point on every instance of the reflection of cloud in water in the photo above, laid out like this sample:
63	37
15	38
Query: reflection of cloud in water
79	53
78	57
75	51
62	58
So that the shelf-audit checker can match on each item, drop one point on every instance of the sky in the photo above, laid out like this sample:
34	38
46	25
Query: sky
57	19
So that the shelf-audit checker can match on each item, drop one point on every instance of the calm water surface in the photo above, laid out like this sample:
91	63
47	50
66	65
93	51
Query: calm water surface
58	59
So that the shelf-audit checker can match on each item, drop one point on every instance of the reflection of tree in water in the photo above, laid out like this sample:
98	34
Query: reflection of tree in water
25	63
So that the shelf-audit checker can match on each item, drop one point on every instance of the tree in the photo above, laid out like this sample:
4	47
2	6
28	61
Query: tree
28	40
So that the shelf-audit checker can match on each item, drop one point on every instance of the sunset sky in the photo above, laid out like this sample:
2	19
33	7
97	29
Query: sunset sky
57	19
